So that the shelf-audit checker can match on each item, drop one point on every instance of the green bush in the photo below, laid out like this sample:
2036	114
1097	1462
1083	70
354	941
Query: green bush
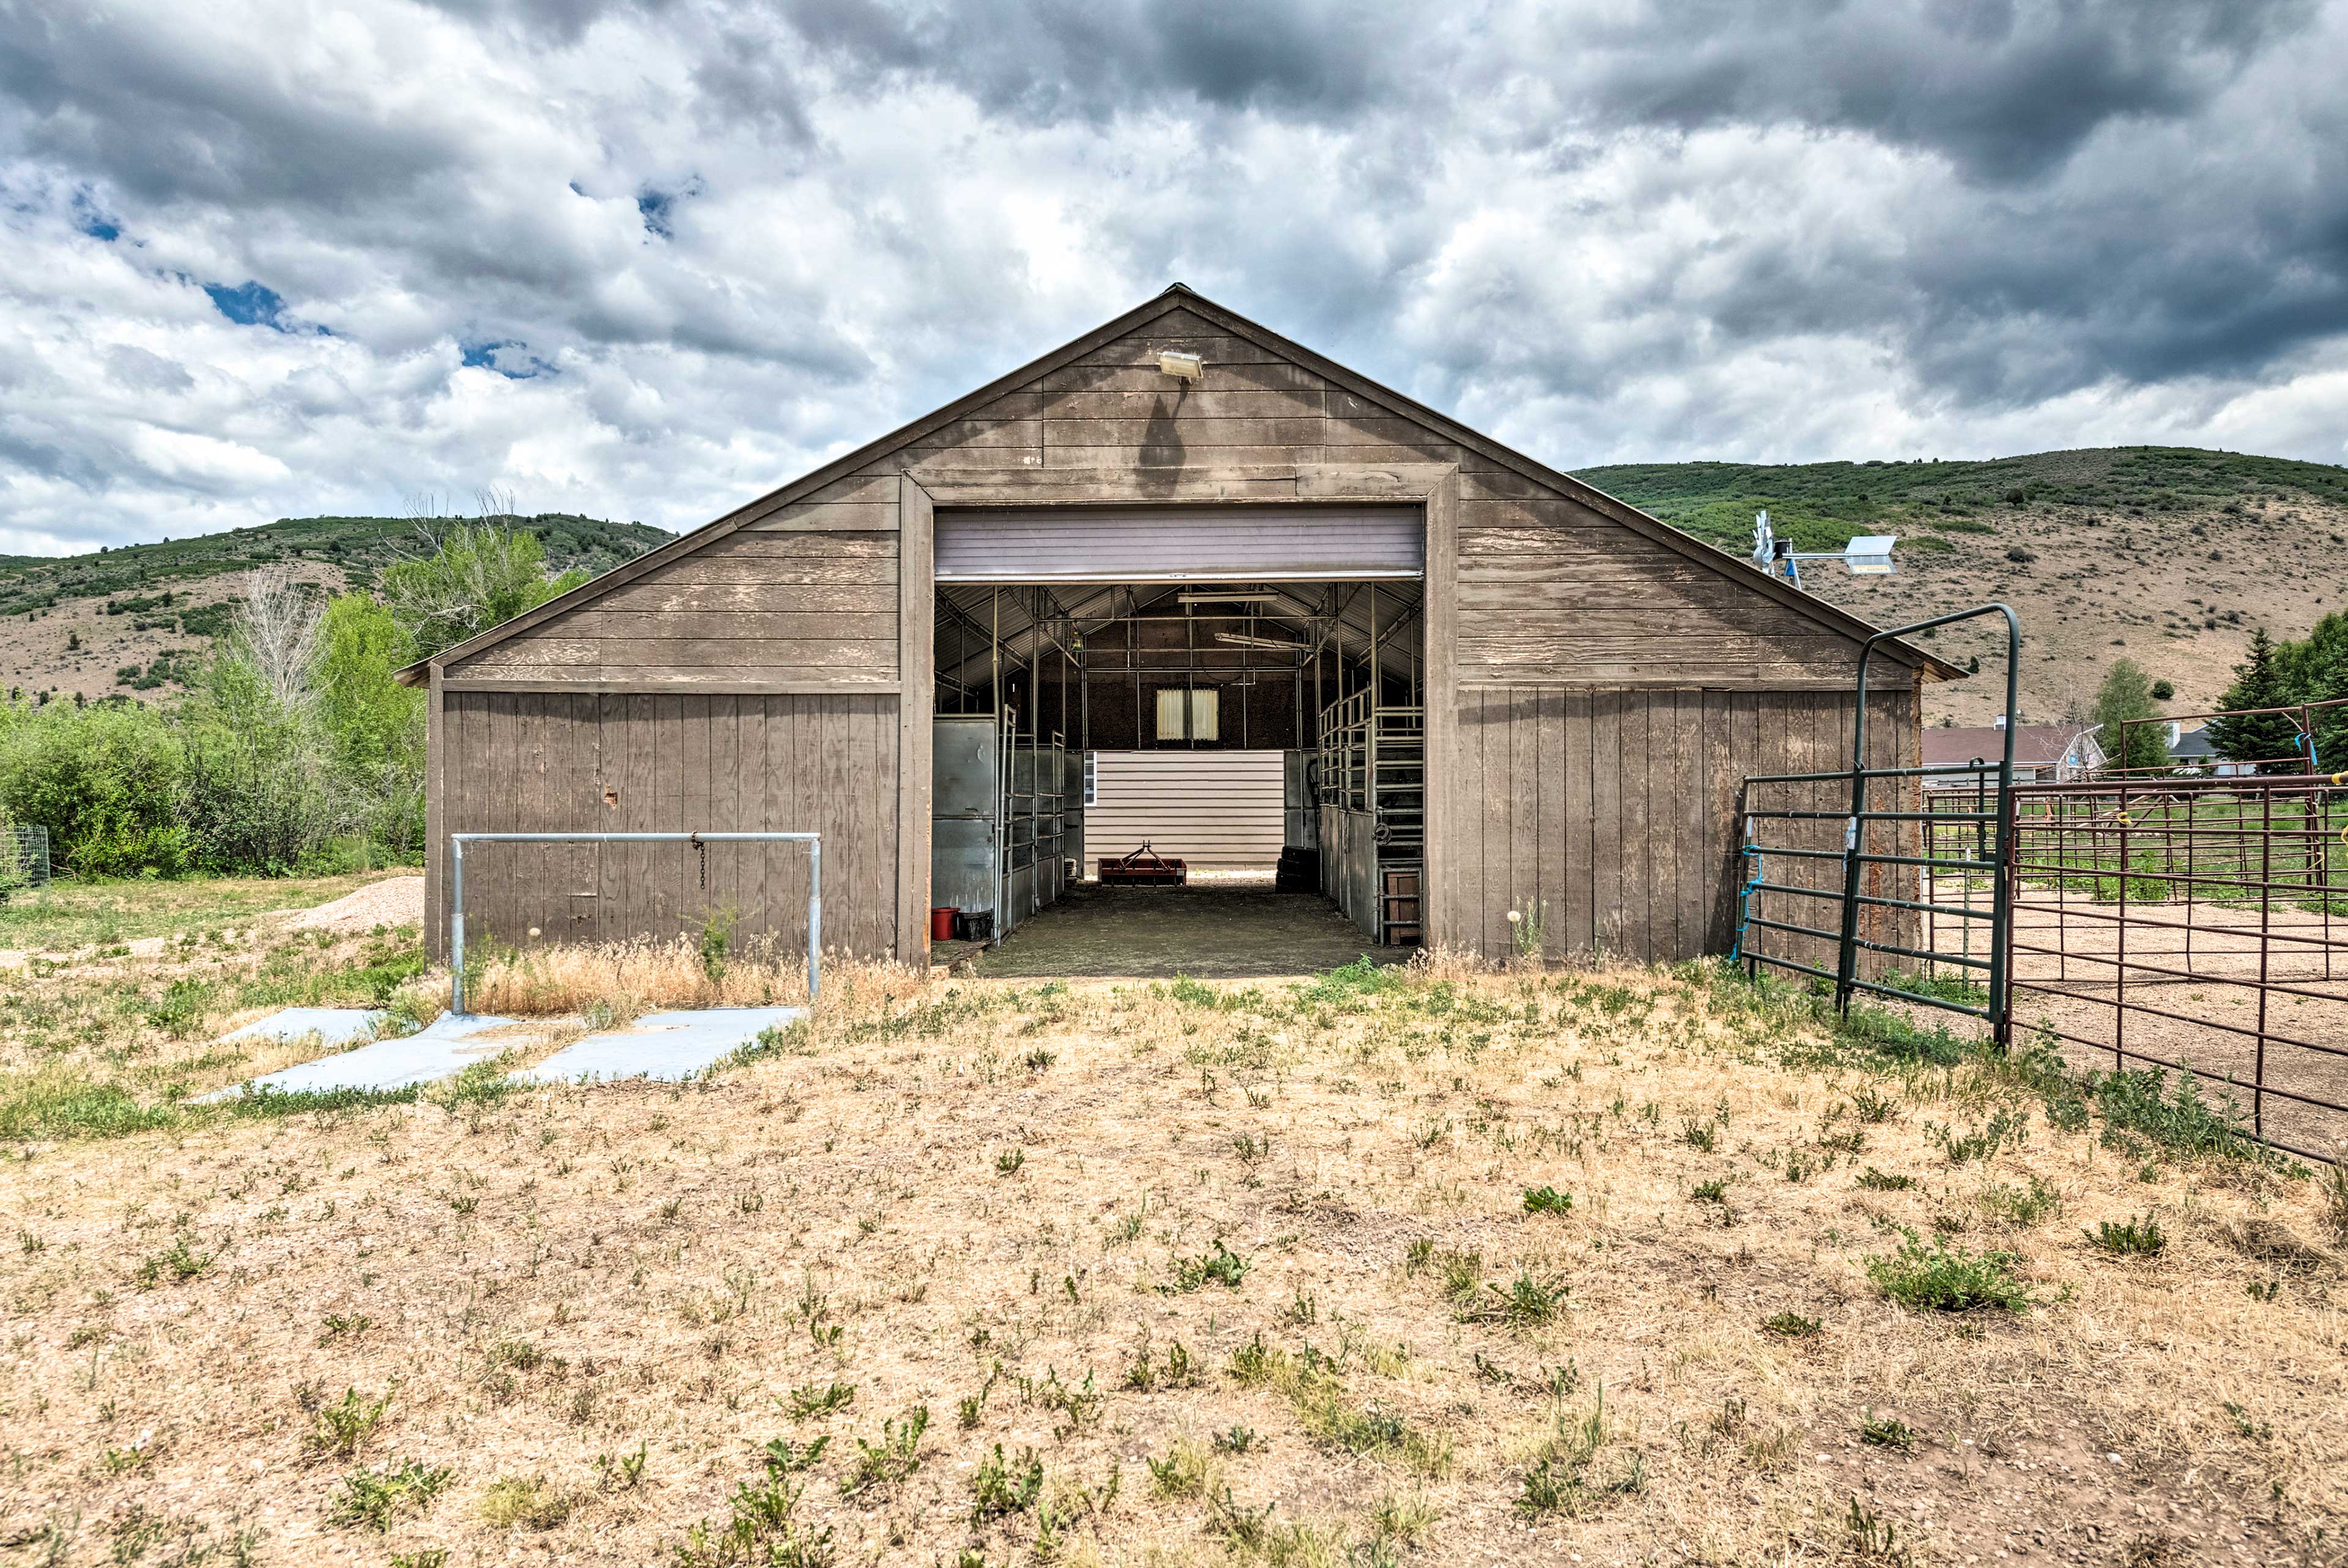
103	779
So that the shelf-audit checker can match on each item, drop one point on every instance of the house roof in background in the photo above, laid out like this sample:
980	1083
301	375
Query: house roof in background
2035	745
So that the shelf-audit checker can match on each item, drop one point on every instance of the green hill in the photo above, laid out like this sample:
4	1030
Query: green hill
136	621
138	576
1820	506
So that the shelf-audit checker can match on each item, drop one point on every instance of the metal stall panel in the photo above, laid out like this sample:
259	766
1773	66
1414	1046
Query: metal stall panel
966	804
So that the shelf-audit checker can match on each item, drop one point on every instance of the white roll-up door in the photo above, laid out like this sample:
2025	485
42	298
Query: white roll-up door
1217	810
1178	544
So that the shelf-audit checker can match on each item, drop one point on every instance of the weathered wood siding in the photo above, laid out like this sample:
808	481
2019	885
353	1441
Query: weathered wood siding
806	608
1616	812
523	762
1592	671
1550	590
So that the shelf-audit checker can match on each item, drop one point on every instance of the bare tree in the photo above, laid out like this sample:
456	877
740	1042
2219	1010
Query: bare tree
277	626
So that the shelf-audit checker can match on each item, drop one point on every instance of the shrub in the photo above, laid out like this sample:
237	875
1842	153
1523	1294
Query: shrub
374	1498
1940	1278
2137	1237
104	780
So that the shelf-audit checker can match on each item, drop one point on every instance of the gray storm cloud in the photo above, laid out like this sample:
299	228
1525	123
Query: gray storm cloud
644	261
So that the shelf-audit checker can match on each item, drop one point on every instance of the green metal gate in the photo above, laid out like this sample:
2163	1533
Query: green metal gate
1779	811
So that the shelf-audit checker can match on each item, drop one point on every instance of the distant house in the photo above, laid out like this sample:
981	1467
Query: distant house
2192	752
2043	754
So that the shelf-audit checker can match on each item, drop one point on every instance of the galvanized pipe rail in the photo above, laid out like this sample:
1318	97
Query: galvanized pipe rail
457	842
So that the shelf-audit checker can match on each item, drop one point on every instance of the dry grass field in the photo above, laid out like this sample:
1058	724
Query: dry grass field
1385	1266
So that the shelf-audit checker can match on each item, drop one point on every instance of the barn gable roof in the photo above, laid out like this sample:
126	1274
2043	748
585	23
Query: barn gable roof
1179	298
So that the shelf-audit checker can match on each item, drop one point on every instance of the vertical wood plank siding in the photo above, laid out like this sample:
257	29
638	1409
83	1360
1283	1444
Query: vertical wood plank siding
520	762
1614	814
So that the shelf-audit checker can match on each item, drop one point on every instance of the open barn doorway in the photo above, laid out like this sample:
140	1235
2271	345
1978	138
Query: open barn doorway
1211	776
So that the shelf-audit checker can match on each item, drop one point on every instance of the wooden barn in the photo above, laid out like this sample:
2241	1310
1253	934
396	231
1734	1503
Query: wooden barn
1182	582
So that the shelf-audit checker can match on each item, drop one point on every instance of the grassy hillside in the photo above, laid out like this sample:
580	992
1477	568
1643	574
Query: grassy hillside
136	619
1821	505
2166	555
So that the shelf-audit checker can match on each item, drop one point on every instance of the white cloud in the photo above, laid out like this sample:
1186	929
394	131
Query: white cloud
722	242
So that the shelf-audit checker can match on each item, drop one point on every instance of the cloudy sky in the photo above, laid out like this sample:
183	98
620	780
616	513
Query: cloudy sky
648	260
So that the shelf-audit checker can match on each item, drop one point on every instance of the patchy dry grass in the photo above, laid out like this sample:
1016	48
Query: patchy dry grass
618	981
1263	1285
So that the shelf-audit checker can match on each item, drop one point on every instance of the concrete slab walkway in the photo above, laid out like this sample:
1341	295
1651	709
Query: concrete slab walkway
335	1026
665	1046
442	1049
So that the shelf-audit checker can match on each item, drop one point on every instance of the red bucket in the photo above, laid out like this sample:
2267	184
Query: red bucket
941	924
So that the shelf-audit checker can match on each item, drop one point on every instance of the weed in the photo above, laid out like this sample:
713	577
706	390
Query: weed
1940	1279
1221	1266
1529	1298
338	1325
818	1399
1236	1441
1701	1135
2004	1127
1882	1182
2025	1206
1872	1537
1002	1488
1566	1478
761	1529
1185	1471
1712	1191
182	1262
1548	1201
893	1457
1874	1108
374	1498
1009	1162
624	1473
1886	1433
1039	1059
534	1503
2177	1119
1463	1274
1791	1325
2136	1237
2257	1431
341	1427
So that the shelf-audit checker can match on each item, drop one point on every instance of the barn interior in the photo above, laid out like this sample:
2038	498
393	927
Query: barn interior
1212	778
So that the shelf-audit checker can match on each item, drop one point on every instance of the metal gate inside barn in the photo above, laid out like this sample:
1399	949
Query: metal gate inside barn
2187	920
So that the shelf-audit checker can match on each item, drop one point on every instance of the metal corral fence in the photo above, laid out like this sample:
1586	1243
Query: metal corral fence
2189	920
2193	923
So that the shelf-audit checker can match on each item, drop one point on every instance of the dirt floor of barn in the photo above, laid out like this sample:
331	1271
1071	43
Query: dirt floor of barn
1383	1266
1212	930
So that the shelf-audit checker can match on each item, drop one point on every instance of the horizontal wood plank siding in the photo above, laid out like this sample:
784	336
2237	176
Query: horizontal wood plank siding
1217	810
668	762
806	608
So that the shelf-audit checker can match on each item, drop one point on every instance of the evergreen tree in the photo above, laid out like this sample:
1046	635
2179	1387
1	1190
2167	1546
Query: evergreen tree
2245	737
2125	695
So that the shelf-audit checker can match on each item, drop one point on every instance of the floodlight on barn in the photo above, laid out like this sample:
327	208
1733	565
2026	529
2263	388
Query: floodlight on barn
1188	366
